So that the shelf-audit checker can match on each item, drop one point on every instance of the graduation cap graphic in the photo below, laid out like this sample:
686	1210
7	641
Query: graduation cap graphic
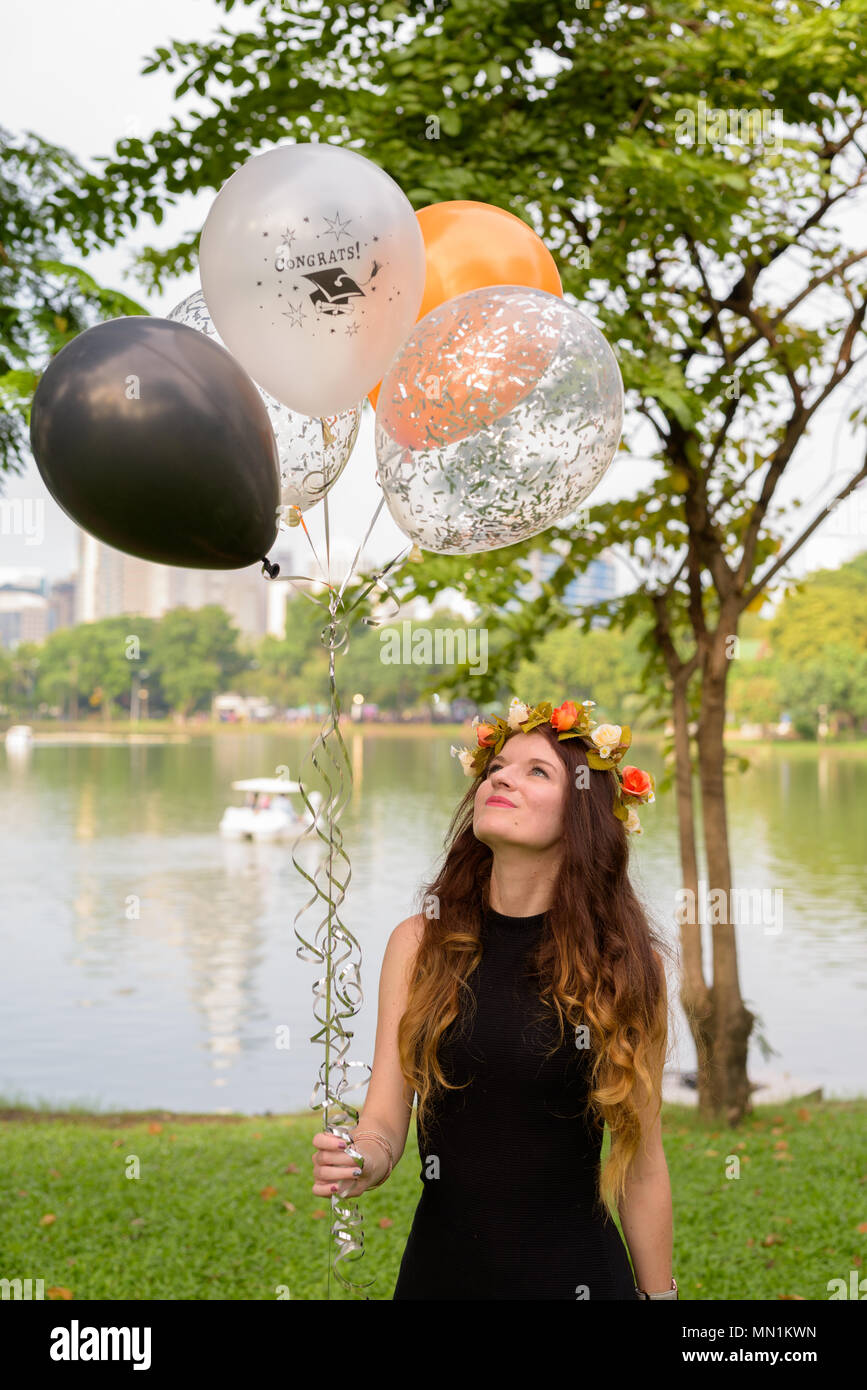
334	289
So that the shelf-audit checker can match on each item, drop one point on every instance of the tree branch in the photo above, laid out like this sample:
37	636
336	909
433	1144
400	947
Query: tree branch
696	255
762	583
743	288
763	325
794	430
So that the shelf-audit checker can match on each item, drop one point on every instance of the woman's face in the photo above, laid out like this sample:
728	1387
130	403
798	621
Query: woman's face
528	774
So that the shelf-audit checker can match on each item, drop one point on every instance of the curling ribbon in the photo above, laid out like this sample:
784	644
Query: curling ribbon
337	993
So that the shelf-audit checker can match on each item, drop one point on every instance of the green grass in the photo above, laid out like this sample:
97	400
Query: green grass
196	1225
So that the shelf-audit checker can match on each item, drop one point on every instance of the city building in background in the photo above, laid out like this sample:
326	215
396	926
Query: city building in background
598	582
109	582
31	608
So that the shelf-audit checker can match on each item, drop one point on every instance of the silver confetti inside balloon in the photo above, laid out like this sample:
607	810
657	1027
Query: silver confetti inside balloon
313	452
499	415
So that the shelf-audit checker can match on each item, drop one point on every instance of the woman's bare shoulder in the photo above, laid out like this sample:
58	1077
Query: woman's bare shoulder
410	931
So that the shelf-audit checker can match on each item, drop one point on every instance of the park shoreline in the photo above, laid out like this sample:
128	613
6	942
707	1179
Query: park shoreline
171	731
23	1114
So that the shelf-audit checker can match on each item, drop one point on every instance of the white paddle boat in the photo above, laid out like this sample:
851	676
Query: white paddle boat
268	813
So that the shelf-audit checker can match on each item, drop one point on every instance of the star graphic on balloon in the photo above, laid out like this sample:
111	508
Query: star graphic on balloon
351	328
295	313
288	238
336	227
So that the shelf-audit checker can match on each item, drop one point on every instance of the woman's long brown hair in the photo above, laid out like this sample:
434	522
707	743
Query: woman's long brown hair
599	962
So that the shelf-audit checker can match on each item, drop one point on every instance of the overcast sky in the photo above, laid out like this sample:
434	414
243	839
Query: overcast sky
71	73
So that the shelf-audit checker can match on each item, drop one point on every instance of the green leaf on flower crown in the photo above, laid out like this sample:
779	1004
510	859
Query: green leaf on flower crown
540	715
625	737
597	763
620	811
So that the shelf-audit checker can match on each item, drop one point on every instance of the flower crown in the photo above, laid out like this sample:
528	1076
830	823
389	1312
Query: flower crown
605	744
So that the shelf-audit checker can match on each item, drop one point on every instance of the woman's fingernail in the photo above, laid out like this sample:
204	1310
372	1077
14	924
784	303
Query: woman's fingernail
356	1172
342	1144
334	1187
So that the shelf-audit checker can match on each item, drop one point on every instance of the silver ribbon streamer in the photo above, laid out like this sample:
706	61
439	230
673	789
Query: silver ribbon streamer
337	993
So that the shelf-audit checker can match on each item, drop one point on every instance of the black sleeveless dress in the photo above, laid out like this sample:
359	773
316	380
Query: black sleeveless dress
510	1166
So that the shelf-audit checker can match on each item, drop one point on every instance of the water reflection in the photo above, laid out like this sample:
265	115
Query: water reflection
148	962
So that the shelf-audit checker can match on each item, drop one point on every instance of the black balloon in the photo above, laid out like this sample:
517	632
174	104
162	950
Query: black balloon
154	439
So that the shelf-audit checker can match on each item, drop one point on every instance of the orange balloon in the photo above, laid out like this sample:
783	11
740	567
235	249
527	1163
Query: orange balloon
469	246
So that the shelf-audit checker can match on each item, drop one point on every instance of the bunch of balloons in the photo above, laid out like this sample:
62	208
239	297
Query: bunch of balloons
186	440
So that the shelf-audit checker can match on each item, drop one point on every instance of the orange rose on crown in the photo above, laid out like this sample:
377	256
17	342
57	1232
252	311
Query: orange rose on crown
637	783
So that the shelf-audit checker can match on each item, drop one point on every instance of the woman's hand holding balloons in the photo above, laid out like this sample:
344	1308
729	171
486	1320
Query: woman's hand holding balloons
336	1172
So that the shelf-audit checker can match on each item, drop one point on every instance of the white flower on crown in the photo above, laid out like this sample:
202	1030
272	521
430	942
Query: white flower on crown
632	823
466	758
518	712
606	737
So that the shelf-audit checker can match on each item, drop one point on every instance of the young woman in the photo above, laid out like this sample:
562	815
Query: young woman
526	1007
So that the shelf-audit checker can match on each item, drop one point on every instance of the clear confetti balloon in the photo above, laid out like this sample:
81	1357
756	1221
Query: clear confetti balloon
313	452
499	415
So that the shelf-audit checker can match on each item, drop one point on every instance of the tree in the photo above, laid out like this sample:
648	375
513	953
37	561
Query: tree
92	665
705	243
603	660
811	653
194	653
836	678
44	300
281	660
400	663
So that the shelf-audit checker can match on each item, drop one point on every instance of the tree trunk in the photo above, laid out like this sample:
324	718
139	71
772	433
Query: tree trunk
694	993
724	1092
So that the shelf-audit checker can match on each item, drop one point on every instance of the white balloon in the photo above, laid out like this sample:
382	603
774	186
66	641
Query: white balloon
313	268
313	453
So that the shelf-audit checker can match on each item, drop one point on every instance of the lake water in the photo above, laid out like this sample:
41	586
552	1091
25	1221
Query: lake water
179	1006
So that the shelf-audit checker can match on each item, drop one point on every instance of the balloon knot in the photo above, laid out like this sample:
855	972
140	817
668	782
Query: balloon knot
269	569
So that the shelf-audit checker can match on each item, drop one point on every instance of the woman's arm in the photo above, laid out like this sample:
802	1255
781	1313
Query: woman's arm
645	1208
646	1215
388	1105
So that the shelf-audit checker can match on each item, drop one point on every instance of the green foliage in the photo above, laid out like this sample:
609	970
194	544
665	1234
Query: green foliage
44	301
195	652
189	655
816	654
